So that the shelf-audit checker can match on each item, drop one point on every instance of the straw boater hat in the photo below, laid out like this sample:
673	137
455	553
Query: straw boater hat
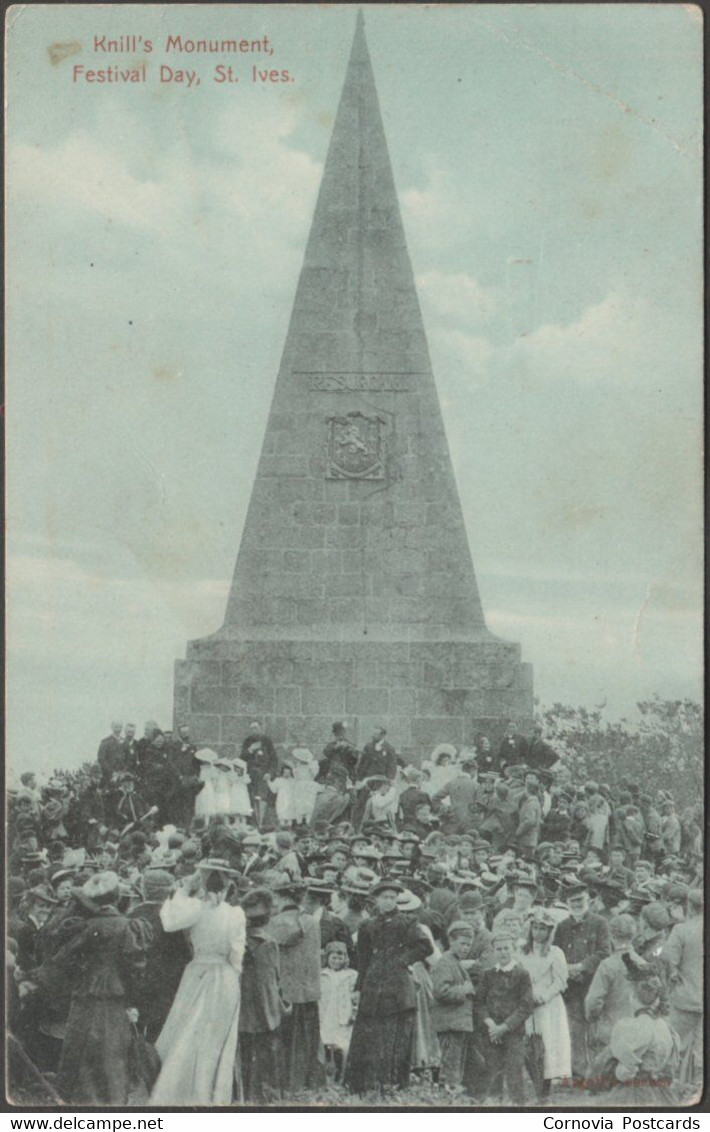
387	884
216	865
360	882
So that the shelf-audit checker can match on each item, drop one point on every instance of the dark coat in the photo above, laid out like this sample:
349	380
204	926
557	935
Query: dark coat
298	937
111	757
387	946
504	996
156	984
453	1009
339	756
377	761
261	1009
261	760
105	954
584	941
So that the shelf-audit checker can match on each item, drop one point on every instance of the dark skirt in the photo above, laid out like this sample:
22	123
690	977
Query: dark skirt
260	1067
380	1052
94	1065
301	1049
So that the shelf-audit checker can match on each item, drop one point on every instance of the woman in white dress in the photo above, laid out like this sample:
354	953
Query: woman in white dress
205	805
547	967
198	1043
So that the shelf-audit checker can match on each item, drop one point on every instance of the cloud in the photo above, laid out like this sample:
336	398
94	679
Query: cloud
88	174
458	297
242	212
608	342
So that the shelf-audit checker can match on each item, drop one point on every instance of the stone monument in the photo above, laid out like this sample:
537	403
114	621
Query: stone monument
354	595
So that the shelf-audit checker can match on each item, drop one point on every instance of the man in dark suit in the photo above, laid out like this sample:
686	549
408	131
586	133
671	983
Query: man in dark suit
503	1001
537	753
378	758
584	939
111	755
339	755
166	958
512	747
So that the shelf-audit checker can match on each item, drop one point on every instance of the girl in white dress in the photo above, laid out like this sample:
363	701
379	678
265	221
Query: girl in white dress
284	788
198	1043
305	789
547	967
335	1006
205	805
239	802
222	786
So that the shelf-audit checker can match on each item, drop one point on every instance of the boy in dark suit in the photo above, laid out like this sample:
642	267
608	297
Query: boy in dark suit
503	1001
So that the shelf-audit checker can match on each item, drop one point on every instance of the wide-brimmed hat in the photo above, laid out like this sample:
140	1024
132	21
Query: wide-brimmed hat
387	884
359	882
318	886
216	865
302	755
102	888
41	895
60	875
408	901
256	903
442	749
205	755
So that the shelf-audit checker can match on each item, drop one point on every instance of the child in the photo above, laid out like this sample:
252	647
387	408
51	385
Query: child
239	802
383	801
222	786
304	787
453	1009
261	1008
336	1005
283	787
205	805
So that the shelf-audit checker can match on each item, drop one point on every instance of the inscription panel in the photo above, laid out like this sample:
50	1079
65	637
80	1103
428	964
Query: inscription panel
331	382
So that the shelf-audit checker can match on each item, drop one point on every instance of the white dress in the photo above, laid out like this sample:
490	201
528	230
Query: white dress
335	1007
548	974
222	799
239	801
304	790
198	1043
284	789
205	805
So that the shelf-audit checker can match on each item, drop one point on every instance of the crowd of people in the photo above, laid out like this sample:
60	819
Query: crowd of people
186	928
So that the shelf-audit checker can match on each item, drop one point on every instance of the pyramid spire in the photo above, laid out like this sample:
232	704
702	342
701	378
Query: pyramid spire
382	543
354	595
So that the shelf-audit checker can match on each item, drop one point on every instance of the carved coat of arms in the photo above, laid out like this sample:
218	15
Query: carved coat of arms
355	448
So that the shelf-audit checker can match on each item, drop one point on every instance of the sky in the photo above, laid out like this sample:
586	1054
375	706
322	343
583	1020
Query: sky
548	165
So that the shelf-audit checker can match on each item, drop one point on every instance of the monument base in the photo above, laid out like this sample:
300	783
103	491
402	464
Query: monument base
423	692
